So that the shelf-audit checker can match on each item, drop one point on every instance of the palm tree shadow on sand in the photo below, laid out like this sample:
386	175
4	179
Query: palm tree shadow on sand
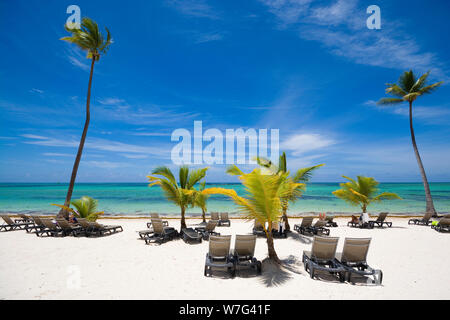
299	237
275	275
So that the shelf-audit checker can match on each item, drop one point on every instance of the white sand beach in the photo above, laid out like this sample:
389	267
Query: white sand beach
414	261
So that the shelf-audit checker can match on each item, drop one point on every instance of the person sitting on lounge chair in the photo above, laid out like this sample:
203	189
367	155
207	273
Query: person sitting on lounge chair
73	219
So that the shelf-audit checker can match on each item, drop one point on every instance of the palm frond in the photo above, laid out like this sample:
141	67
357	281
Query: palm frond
407	81
430	88
387	101
165	172
234	170
305	174
195	176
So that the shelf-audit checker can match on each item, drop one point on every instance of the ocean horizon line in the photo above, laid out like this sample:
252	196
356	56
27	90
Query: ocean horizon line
214	182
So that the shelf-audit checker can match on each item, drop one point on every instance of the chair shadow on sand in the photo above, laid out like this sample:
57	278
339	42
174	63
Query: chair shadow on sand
275	275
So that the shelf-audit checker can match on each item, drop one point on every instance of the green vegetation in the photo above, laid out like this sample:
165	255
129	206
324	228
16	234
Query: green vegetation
182	194
201	199
300	178
86	207
362	192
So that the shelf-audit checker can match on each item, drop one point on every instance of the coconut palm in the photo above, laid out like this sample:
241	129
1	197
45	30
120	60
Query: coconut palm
262	201
200	200
301	177
86	207
183	193
408	89
87	38
362	192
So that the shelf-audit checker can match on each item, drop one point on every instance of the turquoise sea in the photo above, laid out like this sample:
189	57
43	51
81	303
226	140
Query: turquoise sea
138	199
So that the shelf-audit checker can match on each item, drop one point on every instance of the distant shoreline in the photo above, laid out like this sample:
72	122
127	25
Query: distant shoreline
233	215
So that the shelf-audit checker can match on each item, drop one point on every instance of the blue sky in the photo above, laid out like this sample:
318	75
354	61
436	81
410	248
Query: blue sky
311	69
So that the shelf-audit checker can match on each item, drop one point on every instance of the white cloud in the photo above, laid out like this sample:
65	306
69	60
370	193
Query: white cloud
111	101
427	114
287	11
208	37
34	90
135	156
340	29
51	154
106	164
95	143
305	142
193	8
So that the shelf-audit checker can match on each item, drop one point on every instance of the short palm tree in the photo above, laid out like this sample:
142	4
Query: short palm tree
362	192
408	89
183	193
86	207
300	178
262	201
87	38
201	199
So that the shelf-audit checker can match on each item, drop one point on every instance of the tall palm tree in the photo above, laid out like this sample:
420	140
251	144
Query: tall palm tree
87	38
262	201
301	177
362	192
183	193
409	88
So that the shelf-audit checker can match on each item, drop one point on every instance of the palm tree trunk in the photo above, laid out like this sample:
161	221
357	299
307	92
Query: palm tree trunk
183	221
272	253
429	199
285	219
64	213
203	215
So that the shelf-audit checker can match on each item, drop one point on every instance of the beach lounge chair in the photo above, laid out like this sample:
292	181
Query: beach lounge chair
69	228
356	223
219	255
258	229
322	257
97	229
443	225
276	232
319	228
11	225
208	230
51	229
189	235
380	220
36	225
304	226
354	259
150	230
425	221
23	218
160	233
244	251
330	222
215	216
224	219
156	216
